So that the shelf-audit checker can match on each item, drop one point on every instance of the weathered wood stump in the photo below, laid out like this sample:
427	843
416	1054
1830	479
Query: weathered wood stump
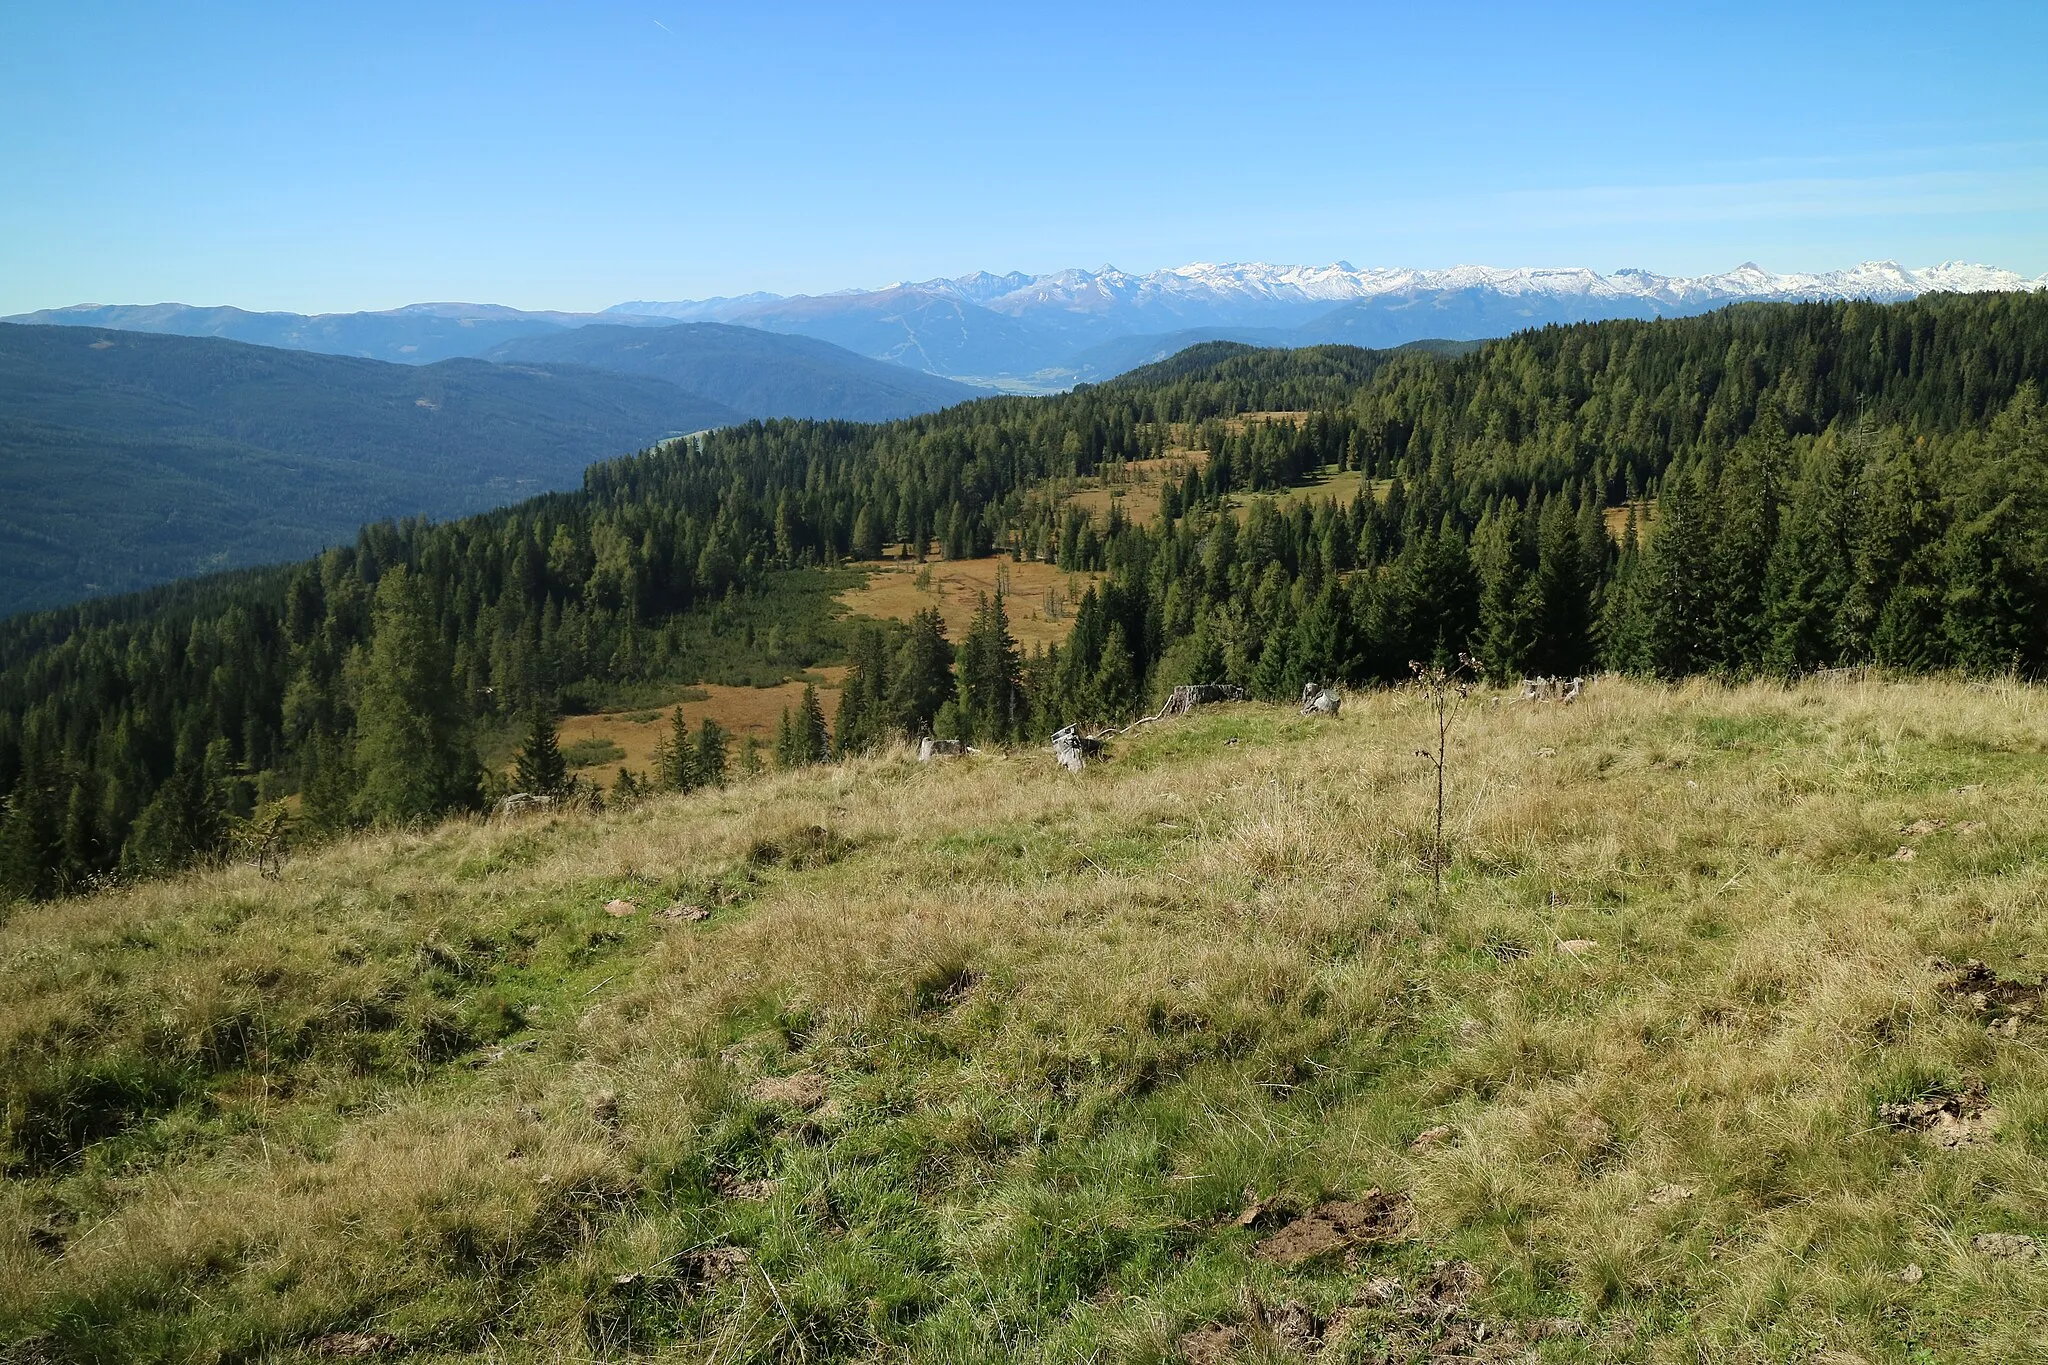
1188	696
1317	700
1073	749
522	803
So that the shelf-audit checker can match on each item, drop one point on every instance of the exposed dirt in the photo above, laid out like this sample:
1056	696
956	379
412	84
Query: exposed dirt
1338	1226
747	1191
680	913
1296	1326
2000	1002
1433	1320
805	1090
354	1344
1210	1344
2006	1246
1954	1120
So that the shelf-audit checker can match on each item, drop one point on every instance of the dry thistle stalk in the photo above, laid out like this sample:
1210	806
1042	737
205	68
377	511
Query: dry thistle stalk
1445	688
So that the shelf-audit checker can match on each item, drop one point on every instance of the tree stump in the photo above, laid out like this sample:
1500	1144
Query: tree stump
1317	700
1073	749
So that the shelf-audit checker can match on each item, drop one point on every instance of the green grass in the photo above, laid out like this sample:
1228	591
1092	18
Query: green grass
426	1090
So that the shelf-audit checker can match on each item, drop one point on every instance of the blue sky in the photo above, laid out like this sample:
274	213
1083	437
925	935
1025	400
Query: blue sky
363	155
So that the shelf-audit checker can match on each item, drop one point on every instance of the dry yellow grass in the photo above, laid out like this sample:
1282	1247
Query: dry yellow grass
1067	1026
1135	486
1327	485
743	711
1616	519
955	586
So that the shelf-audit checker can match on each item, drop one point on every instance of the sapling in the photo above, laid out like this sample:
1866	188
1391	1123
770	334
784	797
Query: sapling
1445	688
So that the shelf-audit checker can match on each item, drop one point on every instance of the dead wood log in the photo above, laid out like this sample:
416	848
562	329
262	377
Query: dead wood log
522	803
1317	700
1188	696
1073	749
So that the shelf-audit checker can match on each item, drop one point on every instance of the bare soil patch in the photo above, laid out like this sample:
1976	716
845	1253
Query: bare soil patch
1338	1226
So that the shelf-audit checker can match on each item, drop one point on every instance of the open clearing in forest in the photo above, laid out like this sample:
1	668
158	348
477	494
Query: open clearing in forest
956	586
742	711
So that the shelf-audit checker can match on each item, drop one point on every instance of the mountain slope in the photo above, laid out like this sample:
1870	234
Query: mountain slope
417	334
128	459
759	373
968	1063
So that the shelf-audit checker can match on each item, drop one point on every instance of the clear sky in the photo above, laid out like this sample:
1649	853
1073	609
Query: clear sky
320	157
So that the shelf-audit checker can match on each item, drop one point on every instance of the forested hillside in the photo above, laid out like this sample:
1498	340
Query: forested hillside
128	459
761	374
1832	483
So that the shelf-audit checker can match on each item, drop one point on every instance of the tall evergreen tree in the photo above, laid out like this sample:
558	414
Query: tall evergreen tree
812	736
676	761
712	746
412	740
921	681
539	767
991	689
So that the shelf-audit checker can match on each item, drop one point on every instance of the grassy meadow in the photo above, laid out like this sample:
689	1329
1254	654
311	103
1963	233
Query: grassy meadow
1176	1060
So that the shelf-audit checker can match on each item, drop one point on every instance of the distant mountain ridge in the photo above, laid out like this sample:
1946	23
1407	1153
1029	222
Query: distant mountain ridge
417	334
753	371
128	459
990	327
1047	331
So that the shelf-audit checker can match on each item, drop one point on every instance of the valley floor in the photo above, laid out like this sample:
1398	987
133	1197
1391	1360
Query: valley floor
1179	1059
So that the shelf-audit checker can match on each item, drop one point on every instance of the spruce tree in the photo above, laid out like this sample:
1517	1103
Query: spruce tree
676	765
712	740
412	739
991	690
789	744
921	680
539	767
1562	625
814	740
31	835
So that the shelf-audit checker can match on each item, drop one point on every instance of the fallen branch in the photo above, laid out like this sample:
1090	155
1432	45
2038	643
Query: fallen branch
1073	749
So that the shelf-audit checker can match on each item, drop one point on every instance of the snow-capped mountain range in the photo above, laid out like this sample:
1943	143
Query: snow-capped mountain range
1022	331
1261	285
1050	327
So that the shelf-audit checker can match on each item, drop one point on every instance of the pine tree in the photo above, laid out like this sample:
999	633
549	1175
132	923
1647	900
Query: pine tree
1116	679
412	735
1680	610
676	765
1807	582
31	836
814	740
863	717
1625	640
539	767
991	690
1510	597
789	743
1745	506
922	679
1564	586
712	740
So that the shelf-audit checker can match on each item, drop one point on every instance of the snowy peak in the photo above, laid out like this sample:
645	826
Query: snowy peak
1211	283
1052	328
